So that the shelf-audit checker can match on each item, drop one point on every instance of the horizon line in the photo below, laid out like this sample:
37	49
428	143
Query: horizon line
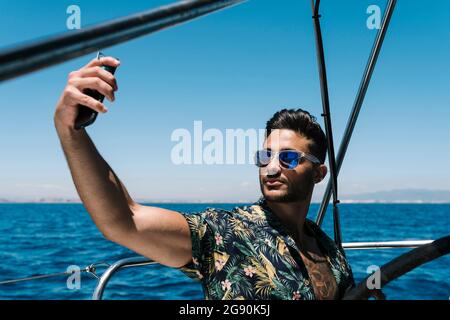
349	201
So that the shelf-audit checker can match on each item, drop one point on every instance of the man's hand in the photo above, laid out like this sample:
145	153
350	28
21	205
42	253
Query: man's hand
93	77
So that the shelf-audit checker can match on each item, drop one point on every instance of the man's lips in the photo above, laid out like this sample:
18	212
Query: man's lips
273	182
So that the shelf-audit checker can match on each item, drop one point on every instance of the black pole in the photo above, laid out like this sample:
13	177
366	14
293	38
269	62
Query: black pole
327	119
351	122
401	265
31	57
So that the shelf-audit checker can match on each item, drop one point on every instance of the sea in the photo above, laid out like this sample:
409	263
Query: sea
41	239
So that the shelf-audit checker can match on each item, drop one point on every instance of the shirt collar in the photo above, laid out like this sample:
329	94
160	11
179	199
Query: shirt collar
312	228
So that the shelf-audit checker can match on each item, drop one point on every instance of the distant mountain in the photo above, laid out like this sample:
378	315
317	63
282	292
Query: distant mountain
401	195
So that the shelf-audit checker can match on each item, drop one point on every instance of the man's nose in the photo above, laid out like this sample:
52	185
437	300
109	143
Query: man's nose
273	168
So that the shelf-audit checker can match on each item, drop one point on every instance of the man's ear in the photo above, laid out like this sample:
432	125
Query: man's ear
321	172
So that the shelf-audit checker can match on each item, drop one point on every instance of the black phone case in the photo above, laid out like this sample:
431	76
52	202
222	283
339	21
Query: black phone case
86	116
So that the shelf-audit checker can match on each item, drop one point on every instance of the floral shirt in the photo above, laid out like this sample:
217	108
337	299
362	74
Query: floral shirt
246	253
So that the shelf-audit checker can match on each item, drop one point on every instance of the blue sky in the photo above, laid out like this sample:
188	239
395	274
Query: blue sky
234	69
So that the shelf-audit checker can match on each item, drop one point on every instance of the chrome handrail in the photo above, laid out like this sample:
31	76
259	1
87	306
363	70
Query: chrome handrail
142	261
399	266
115	267
385	244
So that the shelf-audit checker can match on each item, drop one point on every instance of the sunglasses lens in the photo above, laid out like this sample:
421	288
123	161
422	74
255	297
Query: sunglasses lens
262	158
289	159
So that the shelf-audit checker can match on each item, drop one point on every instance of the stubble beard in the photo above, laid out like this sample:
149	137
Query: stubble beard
294	192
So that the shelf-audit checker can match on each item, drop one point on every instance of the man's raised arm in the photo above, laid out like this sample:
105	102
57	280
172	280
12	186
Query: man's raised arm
159	234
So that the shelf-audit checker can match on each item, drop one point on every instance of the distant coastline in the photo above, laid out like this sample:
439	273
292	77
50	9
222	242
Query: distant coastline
413	196
346	201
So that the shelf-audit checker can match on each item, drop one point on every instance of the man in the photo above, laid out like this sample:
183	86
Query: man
265	251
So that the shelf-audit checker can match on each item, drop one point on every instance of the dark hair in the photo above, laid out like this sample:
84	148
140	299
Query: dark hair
305	124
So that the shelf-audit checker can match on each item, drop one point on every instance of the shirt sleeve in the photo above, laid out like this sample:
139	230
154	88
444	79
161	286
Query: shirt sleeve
202	227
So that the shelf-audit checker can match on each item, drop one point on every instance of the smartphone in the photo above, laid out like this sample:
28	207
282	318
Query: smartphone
86	116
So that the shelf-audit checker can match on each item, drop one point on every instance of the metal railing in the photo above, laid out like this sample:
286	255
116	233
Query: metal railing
142	261
351	122
70	45
399	266
386	244
114	268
